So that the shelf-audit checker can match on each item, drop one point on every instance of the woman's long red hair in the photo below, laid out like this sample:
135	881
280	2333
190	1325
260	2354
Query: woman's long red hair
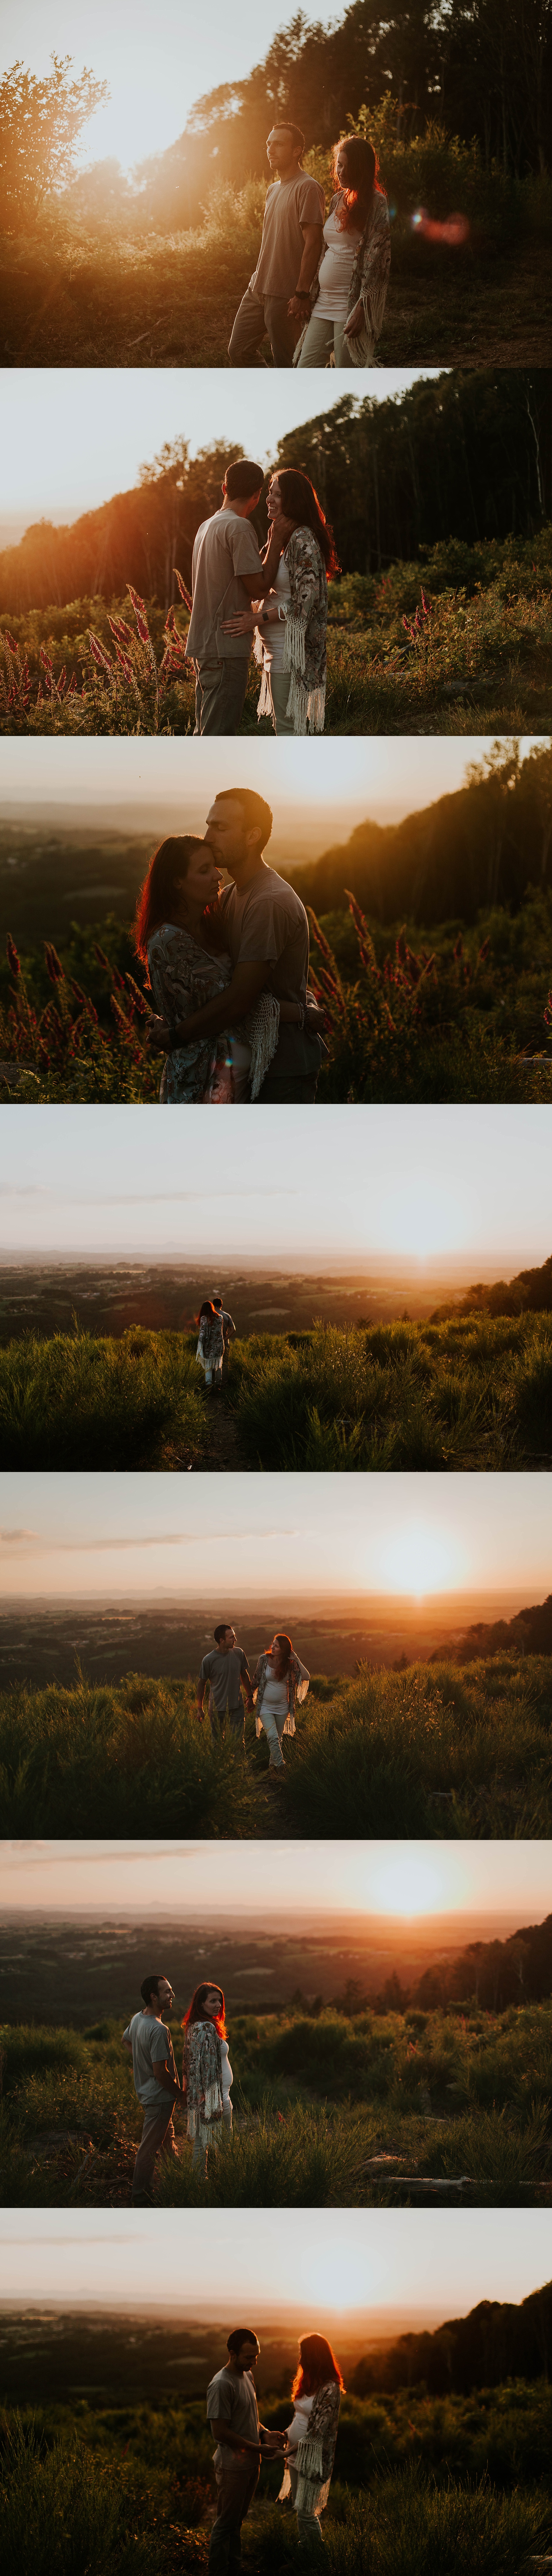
301	504
363	182
169	863
286	1649
196	2010
317	2364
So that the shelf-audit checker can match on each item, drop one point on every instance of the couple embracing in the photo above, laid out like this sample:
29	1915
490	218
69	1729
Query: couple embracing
228	964
305	2449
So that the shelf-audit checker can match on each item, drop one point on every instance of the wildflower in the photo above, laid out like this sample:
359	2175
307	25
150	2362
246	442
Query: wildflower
184	593
97	652
140	614
54	966
14	962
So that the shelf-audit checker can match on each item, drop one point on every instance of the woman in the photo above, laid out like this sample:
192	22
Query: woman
290	622
179	935
311	2436
206	2071
210	1346
279	1680
349	290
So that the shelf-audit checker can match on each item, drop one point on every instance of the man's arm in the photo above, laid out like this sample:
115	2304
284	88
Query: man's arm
225	1008
166	2075
312	245
246	1677
127	2043
234	2441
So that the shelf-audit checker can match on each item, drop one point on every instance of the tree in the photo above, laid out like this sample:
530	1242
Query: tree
40	125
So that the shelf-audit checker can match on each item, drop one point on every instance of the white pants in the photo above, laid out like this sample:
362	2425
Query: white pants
199	2153
274	1732
213	1369
321	337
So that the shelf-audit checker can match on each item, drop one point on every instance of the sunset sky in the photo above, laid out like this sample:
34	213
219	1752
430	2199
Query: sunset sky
157	62
458	1185
98	426
406	1536
351	2262
153	781
273	1881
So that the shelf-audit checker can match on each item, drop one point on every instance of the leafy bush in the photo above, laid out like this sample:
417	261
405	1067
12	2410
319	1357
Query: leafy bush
62	1052
64	2515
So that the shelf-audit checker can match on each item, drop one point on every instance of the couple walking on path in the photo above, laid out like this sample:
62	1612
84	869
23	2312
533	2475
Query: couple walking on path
276	601
306	2448
228	964
280	1683
204	2093
319	288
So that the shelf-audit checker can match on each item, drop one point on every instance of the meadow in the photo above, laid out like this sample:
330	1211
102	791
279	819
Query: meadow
436	1751
476	657
330	2110
471	1391
90	2489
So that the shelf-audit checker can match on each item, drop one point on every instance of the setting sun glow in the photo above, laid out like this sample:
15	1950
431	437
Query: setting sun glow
416	1561
409	1885
424	1218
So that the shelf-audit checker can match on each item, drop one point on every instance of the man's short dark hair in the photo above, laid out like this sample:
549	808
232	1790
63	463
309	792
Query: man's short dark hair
243	479
241	2334
221	1631
257	814
281	126
149	1987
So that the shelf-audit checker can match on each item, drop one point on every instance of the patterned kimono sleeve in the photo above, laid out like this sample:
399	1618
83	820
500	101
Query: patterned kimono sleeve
170	979
302	1682
210	2072
375	267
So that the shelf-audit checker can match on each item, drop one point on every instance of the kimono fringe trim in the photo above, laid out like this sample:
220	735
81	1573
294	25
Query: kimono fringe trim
306	706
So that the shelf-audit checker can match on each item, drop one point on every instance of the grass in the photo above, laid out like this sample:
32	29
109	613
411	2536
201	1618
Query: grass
480	662
437	1751
317	2097
110	2496
474	1392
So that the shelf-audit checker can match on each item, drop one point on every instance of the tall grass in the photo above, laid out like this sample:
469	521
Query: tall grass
400	1395
63	2513
317	2097
82	1401
436	1751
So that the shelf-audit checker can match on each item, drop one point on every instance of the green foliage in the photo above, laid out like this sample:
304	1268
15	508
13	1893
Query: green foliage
41	121
465	1393
438	1751
63	2514
62	1052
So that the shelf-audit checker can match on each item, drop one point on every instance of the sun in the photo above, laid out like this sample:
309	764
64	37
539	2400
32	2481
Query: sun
425	1218
416	1560
408	1885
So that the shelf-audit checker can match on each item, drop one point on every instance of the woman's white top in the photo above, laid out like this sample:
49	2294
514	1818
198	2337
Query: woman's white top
227	2077
275	1697
335	272
274	635
298	2429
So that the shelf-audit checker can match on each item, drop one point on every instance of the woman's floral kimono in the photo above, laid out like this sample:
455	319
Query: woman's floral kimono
202	2076
297	1679
210	1347
314	2458
183	978
369	283
306	616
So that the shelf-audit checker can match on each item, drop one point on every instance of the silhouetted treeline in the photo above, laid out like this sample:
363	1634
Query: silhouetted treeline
479	70
529	1293
485	845
463	457
491	1974
528	1633
496	2341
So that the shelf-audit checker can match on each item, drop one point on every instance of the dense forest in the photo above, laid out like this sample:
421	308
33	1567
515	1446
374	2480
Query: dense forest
481	71
496	2341
530	1293
488	1974
528	1633
485	845
464	457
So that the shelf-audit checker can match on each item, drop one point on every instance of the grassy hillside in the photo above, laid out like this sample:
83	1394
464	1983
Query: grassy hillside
329	2110
91	2490
431	1751
471	1392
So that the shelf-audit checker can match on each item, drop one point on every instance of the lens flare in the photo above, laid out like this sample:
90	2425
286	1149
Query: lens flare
453	232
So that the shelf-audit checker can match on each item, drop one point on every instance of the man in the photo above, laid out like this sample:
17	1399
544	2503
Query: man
225	1668
233	2415
155	2082
226	575
227	1321
268	936
277	301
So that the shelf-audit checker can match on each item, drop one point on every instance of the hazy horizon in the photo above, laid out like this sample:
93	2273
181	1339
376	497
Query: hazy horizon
131	49
346	2263
382	1881
355	781
407	1537
451	1185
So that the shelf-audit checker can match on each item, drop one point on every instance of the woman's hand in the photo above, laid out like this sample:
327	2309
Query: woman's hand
354	321
315	1019
242	624
159	1033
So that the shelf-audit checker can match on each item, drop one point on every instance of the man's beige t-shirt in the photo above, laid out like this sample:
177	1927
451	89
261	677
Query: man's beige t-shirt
290	204
225	546
268	921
